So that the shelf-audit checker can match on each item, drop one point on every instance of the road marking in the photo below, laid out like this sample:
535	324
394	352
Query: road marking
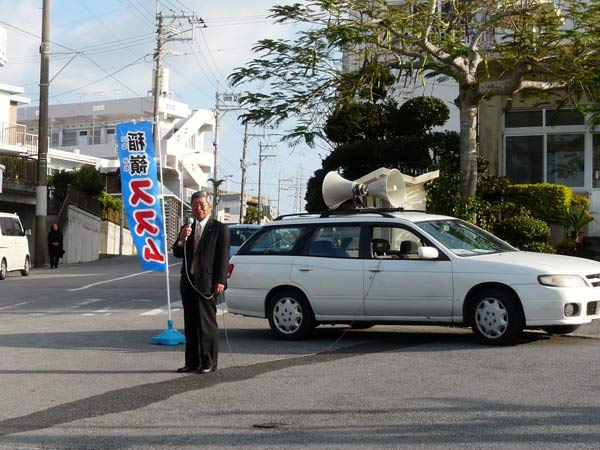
89	300
87	286
175	306
12	306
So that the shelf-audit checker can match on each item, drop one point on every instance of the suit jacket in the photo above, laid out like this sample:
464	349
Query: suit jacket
211	258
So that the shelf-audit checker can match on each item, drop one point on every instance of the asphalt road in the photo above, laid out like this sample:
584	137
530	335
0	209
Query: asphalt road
78	371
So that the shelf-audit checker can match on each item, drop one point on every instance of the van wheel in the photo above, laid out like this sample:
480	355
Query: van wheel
26	267
290	315
3	269
496	317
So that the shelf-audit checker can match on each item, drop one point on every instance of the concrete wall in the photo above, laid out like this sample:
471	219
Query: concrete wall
109	239
81	236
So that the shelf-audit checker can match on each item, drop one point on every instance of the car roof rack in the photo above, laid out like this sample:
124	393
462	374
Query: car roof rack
384	212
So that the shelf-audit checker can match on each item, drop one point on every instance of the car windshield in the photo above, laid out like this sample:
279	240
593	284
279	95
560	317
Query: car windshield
238	235
464	239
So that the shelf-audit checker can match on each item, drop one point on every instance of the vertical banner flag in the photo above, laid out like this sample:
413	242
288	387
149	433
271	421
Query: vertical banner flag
139	187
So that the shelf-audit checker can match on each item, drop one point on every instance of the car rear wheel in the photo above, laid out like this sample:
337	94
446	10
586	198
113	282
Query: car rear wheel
290	315
560	329
496	317
26	267
3	269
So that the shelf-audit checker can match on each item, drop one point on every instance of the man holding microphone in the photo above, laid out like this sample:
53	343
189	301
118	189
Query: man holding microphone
204	245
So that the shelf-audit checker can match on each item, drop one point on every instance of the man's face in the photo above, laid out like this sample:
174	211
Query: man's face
201	208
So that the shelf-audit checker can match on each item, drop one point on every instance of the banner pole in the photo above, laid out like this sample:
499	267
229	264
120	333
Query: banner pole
170	336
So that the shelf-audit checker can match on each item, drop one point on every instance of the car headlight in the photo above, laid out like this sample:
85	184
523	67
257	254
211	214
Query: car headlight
562	280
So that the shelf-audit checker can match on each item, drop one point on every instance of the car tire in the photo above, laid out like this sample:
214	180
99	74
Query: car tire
560	329
290	315
496	317
3	269
26	267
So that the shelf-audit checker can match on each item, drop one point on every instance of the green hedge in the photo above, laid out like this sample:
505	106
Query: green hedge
523	231
548	202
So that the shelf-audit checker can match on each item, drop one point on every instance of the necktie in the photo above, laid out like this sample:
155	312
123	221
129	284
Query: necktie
197	232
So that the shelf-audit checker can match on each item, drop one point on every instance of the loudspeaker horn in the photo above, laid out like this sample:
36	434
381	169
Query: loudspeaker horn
390	188
336	189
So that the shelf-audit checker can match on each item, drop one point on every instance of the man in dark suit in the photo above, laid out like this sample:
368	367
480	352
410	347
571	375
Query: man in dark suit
205	248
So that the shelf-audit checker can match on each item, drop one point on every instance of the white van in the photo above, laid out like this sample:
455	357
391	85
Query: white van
14	248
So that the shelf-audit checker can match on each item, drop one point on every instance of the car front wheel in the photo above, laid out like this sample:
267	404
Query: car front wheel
496	317
26	267
290	315
3	269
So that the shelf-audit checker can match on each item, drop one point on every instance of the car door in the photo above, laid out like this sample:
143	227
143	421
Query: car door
20	244
330	271
400	284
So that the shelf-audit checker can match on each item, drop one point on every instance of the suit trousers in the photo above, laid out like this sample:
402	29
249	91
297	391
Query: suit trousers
201	328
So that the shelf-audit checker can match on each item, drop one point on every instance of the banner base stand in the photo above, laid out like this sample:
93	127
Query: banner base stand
170	336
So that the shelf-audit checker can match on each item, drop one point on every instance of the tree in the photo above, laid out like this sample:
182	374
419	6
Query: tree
489	48
252	215
373	135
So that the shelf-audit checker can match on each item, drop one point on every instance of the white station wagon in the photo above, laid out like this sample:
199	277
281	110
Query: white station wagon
406	268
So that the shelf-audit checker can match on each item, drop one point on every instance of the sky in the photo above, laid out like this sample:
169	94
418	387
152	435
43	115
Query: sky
103	50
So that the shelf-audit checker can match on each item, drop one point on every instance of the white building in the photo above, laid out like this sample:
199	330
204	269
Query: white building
88	128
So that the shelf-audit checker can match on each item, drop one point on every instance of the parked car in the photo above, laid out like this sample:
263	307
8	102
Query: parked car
14	248
238	234
406	268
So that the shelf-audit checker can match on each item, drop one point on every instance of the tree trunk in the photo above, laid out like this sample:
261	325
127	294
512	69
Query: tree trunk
468	148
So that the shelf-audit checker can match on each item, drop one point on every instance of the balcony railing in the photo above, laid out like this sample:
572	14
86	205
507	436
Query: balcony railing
14	134
19	169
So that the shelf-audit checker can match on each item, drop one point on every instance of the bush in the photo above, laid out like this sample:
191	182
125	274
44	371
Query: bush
523	230
539	247
548	202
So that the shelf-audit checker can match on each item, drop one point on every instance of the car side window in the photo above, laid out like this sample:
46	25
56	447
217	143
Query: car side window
394	243
274	241
17	229
334	241
8	227
2	226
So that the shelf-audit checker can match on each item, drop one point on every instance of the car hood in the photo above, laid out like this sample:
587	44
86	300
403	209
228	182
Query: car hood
531	262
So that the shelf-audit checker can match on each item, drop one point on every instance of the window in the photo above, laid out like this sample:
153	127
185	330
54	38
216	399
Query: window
335	241
55	138
394	243
69	137
83	137
275	241
563	117
525	159
565	154
517	119
110	136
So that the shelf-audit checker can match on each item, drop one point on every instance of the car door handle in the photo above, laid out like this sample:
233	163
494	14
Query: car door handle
305	269
375	270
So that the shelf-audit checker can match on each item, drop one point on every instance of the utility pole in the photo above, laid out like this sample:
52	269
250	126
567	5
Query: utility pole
224	101
243	165
166	34
261	158
279	181
41	191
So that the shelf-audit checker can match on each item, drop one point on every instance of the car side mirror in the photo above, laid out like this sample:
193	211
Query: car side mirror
28	232
428	253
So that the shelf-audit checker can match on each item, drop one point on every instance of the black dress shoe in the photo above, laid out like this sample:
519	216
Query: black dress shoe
208	369
185	369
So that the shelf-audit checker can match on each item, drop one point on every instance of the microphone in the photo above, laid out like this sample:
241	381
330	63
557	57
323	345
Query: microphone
190	222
